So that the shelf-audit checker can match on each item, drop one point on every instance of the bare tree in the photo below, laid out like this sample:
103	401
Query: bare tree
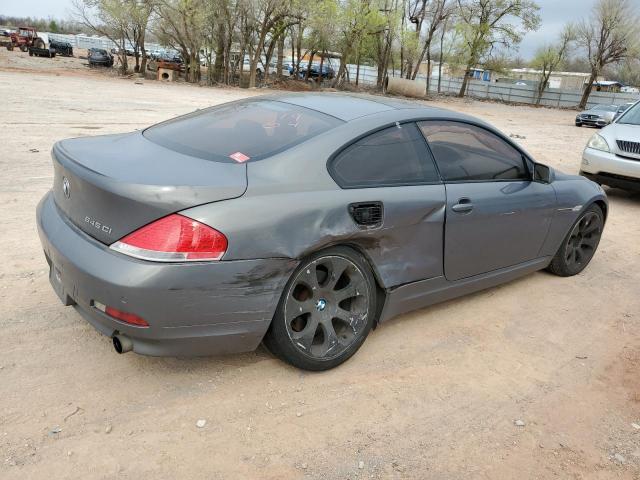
139	12
438	13
609	36
266	15
181	24
109	18
549	57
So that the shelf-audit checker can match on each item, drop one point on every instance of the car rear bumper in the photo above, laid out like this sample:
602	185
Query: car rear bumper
192	308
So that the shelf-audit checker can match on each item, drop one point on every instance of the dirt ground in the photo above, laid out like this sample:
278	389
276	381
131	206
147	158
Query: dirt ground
431	395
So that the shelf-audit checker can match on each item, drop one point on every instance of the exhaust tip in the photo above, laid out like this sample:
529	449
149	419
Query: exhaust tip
122	344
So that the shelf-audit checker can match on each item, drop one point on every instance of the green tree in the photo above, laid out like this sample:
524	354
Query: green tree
486	24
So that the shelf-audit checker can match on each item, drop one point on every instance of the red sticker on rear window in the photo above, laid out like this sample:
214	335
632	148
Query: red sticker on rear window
239	157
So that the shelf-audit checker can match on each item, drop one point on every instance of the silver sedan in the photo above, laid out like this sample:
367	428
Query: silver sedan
612	156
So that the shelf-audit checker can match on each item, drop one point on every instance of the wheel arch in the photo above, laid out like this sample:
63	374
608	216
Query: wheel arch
603	206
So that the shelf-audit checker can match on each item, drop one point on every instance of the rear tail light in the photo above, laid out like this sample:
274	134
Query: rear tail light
174	239
126	317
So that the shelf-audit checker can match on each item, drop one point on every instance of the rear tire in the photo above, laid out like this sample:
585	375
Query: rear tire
580	244
326	311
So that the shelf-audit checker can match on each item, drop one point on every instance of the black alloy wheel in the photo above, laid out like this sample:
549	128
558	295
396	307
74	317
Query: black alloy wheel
580	245
326	311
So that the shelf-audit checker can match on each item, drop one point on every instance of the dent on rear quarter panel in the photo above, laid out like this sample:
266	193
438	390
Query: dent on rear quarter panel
408	247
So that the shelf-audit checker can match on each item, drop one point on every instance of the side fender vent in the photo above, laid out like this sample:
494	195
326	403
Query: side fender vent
367	214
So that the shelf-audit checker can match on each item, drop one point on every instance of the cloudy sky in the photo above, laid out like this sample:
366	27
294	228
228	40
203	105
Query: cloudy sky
555	13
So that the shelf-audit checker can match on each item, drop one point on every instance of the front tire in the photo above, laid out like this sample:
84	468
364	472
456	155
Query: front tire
580	244
326	310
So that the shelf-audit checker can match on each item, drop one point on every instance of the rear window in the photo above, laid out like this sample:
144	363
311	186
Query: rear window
242	131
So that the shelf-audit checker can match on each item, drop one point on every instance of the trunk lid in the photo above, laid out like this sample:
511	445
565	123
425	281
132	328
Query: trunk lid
111	185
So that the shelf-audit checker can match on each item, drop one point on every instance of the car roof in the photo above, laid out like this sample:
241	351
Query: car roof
348	107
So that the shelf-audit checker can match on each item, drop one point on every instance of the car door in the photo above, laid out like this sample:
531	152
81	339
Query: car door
397	197
496	216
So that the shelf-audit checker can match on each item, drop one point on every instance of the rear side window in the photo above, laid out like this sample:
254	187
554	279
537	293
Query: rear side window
241	131
396	155
465	152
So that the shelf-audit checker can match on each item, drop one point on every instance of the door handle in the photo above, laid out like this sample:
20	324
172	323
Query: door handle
464	205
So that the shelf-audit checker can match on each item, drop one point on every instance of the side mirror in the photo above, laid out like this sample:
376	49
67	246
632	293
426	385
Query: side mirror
609	116
541	173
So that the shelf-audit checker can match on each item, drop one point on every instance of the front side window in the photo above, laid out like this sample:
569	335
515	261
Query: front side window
466	152
241	131
396	155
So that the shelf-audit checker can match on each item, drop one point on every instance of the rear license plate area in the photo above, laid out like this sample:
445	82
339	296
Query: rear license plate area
55	278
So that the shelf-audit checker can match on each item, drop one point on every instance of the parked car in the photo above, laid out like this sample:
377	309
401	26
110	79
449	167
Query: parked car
612	157
314	72
597	116
170	57
62	48
304	220
623	108
99	57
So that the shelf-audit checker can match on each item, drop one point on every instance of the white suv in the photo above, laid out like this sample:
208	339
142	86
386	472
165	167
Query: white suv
612	156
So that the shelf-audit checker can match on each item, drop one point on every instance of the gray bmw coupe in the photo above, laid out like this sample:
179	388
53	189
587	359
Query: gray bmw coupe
300	220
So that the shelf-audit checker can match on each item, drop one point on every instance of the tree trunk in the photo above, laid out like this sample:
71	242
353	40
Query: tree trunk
465	82
306	77
122	54
404	16
321	66
218	64
143	61
269	55
444	30
358	65
428	69
280	61
299	52
542	85
587	90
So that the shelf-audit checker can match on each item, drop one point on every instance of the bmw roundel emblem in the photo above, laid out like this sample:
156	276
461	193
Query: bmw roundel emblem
66	188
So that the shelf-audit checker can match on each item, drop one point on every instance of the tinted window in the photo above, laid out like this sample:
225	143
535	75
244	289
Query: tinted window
394	156
466	152
241	131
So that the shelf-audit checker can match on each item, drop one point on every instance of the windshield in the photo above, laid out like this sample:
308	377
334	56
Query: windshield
631	116
605	108
241	131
